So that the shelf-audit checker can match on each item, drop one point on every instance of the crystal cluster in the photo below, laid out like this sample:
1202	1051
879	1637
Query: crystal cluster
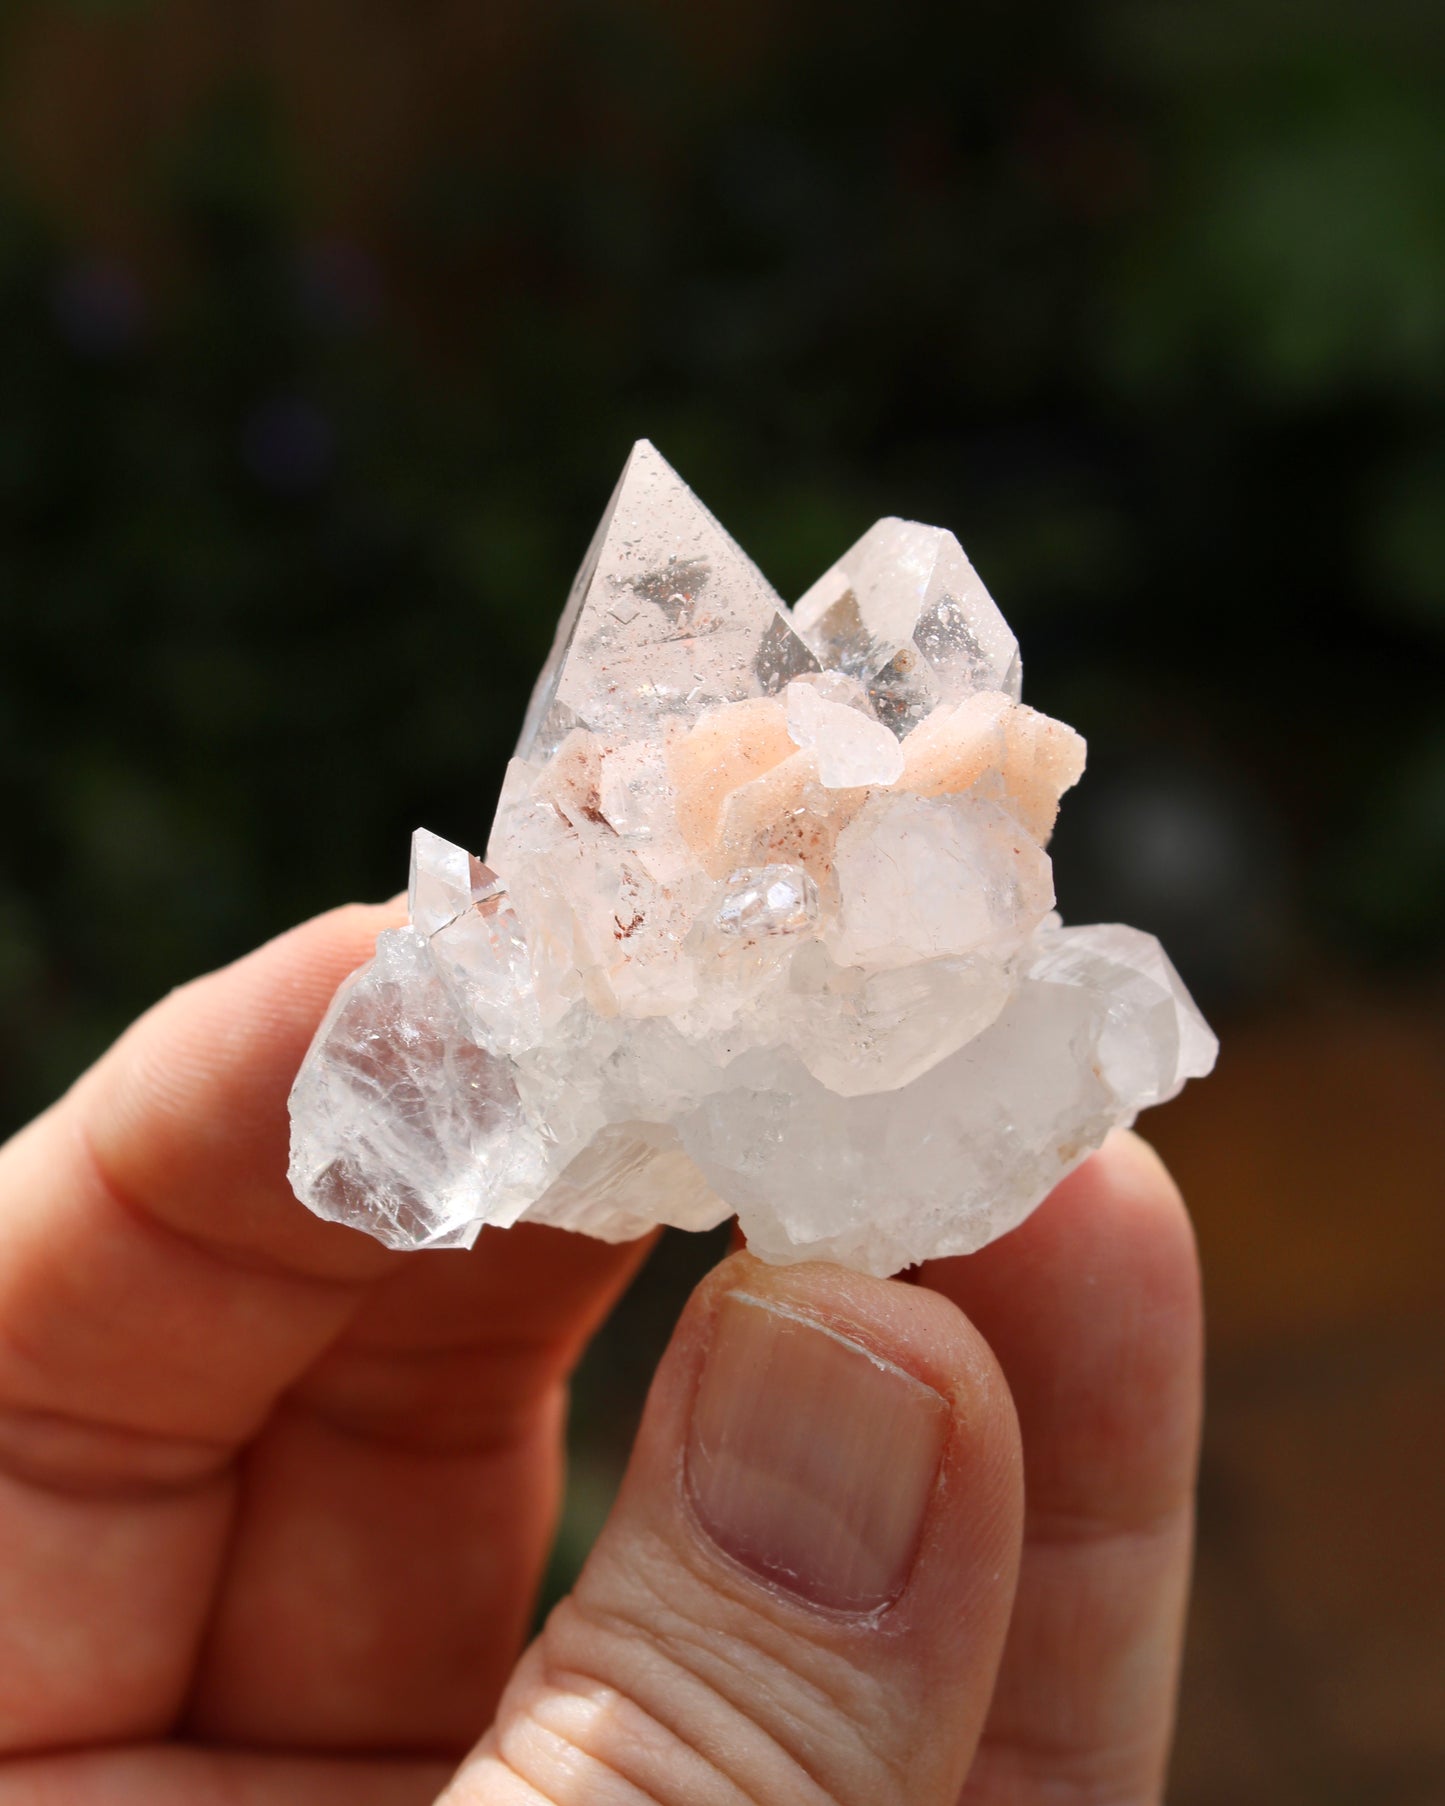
765	927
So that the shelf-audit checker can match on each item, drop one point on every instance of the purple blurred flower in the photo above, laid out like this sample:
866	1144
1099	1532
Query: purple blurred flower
339	285
98	307
288	444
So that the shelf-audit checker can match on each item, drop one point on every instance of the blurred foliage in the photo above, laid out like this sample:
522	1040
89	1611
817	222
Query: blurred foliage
1147	302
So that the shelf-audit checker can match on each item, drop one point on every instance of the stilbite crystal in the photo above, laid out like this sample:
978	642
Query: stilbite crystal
765	927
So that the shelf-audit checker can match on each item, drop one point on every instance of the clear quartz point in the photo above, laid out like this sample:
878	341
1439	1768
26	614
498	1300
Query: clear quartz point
445	881
905	611
766	926
668	616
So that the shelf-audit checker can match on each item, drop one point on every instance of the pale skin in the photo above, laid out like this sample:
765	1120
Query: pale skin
274	1501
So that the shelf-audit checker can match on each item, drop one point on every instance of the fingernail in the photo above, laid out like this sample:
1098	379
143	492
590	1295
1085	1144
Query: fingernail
810	1460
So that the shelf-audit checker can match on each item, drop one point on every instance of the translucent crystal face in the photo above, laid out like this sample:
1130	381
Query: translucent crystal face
765	928
905	612
667	616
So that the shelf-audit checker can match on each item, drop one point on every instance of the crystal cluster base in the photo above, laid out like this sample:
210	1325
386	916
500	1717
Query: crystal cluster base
765	928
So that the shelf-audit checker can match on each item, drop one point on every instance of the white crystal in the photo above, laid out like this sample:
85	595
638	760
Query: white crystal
860	1031
766	926
628	1179
923	877
851	748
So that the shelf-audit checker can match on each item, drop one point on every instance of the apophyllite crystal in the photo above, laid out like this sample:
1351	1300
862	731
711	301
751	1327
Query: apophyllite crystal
765	928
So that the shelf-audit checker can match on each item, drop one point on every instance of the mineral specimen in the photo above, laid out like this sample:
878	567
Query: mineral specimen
765	928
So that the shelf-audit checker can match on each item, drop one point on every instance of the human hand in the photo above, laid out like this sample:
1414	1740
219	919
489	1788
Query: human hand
274	1501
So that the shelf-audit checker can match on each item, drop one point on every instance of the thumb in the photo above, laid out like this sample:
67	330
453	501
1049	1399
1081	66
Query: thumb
802	1593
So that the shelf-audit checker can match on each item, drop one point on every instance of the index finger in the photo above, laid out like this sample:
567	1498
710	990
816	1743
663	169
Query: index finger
163	1297
158	1280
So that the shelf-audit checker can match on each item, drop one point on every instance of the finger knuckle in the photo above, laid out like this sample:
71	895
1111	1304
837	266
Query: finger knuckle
648	1705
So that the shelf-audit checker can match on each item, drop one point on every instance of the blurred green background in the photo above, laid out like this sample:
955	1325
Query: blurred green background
325	331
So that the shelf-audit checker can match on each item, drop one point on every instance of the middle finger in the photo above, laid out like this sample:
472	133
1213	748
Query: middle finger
397	1511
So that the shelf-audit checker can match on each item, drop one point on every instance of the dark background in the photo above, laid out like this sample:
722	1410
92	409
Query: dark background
324	330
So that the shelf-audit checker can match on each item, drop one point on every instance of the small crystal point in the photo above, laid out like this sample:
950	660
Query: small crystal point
772	899
445	881
766	926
